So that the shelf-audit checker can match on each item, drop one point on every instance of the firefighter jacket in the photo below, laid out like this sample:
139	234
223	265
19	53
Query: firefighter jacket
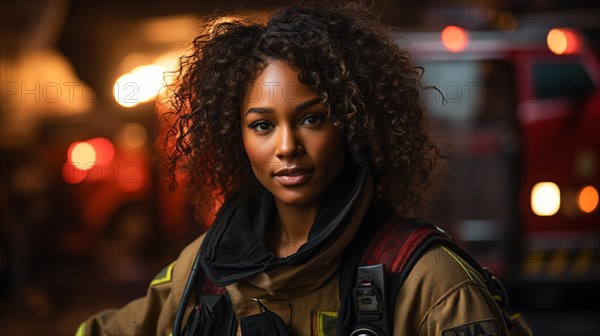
442	295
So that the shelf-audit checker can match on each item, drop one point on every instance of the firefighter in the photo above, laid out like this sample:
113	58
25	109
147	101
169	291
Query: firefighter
311	128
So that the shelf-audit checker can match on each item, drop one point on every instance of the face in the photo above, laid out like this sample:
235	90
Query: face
294	150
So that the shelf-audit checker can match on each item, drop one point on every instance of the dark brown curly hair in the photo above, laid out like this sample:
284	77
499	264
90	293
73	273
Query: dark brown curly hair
367	83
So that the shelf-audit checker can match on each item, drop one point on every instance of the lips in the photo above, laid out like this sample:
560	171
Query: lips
291	176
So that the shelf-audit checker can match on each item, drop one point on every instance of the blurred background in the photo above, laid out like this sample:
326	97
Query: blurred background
86	220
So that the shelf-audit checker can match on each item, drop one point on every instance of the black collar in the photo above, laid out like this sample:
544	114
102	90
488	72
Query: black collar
235	248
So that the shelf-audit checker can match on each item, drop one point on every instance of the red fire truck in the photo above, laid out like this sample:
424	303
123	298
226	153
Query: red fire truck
520	118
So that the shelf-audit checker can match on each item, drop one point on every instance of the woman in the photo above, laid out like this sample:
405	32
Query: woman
311	128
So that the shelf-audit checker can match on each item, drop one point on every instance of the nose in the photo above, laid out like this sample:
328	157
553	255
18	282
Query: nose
288	144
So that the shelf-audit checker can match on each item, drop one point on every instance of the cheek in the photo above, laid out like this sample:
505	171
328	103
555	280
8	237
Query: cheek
257	154
254	151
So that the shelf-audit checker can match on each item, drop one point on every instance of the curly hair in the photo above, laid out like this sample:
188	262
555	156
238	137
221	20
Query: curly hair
367	83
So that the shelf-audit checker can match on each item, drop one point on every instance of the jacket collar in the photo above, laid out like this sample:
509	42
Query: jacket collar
234	248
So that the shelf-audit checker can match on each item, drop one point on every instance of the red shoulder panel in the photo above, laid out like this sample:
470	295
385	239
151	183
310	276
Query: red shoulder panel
395	242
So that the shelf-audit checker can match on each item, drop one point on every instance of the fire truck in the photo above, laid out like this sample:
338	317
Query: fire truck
518	113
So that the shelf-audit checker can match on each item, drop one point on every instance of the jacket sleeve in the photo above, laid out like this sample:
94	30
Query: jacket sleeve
153	314
444	296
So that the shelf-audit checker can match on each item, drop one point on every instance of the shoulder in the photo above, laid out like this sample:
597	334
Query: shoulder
443	292
173	277
446	268
437	274
181	268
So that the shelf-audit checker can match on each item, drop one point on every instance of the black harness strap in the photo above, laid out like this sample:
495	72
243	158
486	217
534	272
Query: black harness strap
351	259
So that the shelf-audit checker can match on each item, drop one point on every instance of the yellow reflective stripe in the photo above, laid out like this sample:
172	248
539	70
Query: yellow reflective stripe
80	330
458	261
560	263
320	325
166	278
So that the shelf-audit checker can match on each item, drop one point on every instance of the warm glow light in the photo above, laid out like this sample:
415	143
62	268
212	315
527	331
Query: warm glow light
140	85
169	63
563	41
150	79
82	155
588	199
454	38
125	90
134	135
545	199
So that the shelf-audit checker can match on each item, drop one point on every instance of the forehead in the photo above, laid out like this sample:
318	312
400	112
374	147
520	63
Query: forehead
276	83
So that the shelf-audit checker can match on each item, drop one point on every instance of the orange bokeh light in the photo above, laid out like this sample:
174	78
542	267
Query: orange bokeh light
563	41
455	38
588	199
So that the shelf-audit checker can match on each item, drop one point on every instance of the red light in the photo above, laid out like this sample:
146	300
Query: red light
85	155
563	41
71	174
455	38
105	151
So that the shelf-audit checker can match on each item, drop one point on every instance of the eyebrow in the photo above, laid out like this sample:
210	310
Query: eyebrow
266	110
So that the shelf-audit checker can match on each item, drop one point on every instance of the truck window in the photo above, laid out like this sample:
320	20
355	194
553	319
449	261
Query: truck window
476	91
553	80
457	81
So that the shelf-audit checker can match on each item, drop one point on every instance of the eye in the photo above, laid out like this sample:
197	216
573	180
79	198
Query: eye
313	119
261	126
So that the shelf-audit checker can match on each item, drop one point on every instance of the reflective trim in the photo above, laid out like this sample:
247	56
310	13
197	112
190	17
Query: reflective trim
163	276
458	261
80	330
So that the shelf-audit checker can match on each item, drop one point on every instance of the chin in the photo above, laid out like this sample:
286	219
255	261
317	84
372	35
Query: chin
295	198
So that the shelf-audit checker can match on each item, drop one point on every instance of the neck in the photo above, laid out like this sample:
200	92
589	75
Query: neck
293	224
